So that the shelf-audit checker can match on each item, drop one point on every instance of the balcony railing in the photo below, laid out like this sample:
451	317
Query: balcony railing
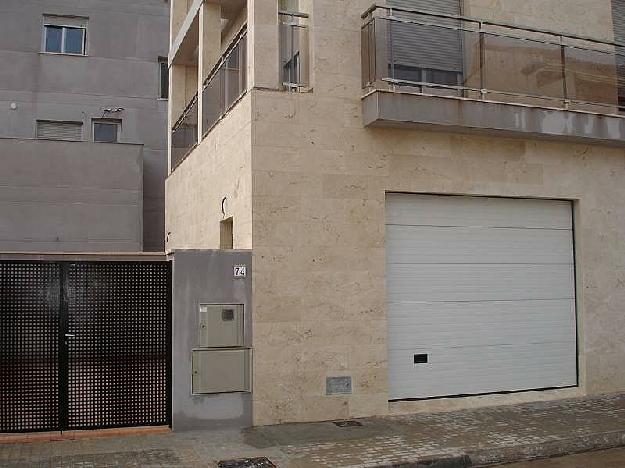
294	50
224	86
226	83
430	53
184	133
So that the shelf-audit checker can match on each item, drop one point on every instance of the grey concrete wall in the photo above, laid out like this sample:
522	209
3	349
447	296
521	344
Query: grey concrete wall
206	277
70	196
124	41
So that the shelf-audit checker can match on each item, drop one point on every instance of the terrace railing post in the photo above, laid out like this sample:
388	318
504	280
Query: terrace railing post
390	43
565	90
482	52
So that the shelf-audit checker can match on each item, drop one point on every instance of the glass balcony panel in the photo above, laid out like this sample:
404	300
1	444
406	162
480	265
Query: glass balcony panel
380	49
211	107
365	54
302	52
231	74
523	67
593	77
243	66
428	56
294	52
184	135
286	52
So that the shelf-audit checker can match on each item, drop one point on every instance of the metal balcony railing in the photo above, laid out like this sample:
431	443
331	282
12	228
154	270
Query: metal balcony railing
226	83
423	52
184	133
294	50
223	88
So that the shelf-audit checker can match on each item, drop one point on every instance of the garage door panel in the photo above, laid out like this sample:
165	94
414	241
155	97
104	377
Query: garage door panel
484	287
427	210
449	324
485	369
470	283
427	244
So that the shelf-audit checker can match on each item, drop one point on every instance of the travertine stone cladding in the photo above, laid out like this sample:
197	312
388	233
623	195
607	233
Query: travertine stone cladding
319	184
220	167
307	191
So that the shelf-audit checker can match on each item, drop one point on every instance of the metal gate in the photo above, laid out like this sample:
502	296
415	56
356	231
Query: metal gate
84	345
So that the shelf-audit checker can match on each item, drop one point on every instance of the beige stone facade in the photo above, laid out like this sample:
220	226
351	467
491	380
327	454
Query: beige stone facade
305	183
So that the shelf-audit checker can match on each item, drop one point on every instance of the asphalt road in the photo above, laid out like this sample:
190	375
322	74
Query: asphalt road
607	459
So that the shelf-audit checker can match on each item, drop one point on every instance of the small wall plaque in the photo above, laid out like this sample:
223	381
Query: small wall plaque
240	271
338	385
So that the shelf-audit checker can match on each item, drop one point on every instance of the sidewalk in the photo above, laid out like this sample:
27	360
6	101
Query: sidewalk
464	438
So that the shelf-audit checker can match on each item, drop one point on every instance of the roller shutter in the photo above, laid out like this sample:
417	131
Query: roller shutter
618	20
427	47
53	130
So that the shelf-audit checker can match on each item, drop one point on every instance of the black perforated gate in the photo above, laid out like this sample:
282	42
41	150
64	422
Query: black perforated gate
84	345
29	346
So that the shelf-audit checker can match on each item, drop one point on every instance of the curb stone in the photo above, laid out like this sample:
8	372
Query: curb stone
460	461
514	454
559	448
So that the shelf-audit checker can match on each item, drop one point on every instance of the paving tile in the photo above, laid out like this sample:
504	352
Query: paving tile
487	435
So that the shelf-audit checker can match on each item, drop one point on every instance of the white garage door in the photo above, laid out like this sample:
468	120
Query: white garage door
481	295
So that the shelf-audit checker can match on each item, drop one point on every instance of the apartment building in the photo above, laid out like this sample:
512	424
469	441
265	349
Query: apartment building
83	111
431	192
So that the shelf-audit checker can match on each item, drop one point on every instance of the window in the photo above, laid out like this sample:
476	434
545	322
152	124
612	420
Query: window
163	79
64	35
59	130
413	58
226	240
106	131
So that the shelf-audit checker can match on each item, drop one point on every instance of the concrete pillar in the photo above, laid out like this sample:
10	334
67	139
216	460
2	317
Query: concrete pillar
209	50
263	48
177	15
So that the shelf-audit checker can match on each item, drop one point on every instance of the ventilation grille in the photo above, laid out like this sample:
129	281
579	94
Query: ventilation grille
51	130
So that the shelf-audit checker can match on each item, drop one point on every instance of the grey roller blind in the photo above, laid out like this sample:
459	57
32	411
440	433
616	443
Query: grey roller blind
53	130
618	18
419	46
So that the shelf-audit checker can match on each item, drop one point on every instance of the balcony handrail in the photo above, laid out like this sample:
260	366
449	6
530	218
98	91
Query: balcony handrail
185	112
481	22
296	14
476	87
238	37
418	84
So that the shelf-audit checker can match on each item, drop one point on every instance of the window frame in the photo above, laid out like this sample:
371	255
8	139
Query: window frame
49	23
163	61
117	123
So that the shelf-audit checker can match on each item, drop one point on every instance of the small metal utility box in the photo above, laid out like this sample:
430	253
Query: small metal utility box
221	370
220	326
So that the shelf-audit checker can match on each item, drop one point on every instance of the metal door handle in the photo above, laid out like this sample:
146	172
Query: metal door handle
69	335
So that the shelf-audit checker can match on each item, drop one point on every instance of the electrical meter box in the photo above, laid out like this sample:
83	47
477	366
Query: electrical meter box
220	326
221	370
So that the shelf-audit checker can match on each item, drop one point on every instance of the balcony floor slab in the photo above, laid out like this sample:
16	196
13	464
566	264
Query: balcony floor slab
383	108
